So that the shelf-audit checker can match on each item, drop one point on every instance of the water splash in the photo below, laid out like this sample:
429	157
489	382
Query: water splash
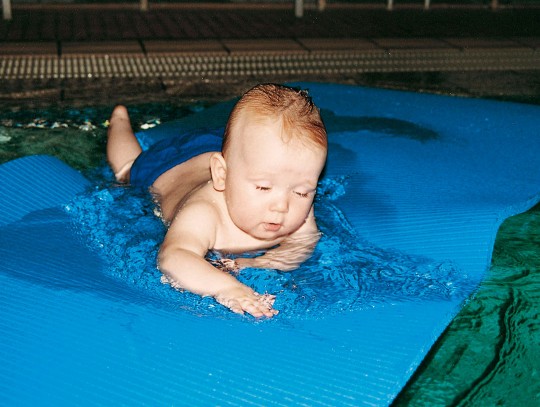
345	273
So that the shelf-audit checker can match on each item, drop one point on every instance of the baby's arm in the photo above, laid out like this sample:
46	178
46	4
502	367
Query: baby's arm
181	260
292	252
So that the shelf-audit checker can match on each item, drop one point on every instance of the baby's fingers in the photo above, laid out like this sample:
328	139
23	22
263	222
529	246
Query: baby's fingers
233	305
258	308
230	265
267	300
252	303
236	308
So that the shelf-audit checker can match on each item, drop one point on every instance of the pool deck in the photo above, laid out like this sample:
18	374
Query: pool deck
201	43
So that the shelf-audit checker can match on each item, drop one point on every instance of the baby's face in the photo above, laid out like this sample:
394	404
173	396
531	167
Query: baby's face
270	184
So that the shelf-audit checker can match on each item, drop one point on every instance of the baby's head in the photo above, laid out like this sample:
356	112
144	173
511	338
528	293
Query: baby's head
274	150
299	117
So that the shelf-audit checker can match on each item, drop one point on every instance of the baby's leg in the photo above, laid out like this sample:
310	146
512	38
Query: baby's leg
122	145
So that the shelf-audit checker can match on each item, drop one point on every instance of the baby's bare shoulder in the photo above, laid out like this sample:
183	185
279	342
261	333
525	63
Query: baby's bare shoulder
202	209
195	225
199	208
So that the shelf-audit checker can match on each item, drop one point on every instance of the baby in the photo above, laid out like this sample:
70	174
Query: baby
251	190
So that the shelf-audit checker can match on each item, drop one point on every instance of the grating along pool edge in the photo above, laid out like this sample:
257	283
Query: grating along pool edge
254	64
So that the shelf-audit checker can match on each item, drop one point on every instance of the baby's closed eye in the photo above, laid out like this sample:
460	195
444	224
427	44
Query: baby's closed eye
302	194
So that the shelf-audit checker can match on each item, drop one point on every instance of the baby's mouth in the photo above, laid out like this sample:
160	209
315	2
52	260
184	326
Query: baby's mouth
272	227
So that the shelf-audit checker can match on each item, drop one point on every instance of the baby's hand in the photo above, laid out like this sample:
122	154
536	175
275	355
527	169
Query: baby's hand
243	299
227	265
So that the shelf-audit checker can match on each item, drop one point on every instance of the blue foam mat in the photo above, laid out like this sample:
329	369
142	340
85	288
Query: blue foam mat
427	175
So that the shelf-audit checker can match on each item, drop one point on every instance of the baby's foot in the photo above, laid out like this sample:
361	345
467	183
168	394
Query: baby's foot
122	145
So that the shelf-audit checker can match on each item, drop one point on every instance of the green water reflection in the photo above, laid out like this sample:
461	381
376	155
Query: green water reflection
490	355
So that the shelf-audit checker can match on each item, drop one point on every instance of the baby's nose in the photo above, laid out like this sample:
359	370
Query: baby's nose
280	204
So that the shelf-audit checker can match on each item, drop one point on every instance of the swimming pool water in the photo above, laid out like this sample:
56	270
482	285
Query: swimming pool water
489	355
345	273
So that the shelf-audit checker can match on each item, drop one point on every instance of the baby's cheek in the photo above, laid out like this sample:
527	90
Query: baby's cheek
238	203
301	214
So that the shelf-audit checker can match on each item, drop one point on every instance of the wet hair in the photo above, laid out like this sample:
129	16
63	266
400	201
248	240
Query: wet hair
300	117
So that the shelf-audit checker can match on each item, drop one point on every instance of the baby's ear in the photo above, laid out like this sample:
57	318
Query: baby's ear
218	168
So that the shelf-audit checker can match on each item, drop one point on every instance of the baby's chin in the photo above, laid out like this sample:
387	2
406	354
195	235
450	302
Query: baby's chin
270	232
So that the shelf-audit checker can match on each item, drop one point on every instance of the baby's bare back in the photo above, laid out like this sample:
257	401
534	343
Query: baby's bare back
173	186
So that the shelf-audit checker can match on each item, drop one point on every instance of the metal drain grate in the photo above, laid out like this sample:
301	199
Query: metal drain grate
250	64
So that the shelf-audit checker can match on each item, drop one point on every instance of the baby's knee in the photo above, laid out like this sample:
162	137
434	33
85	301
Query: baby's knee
122	175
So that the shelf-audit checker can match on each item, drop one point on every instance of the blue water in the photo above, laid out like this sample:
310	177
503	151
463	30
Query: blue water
344	274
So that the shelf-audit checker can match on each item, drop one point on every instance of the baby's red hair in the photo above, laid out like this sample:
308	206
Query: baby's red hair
300	117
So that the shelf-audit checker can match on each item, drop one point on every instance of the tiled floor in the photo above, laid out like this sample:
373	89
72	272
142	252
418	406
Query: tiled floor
200	44
264	25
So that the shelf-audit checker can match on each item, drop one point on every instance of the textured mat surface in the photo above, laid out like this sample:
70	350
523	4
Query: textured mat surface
426	179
